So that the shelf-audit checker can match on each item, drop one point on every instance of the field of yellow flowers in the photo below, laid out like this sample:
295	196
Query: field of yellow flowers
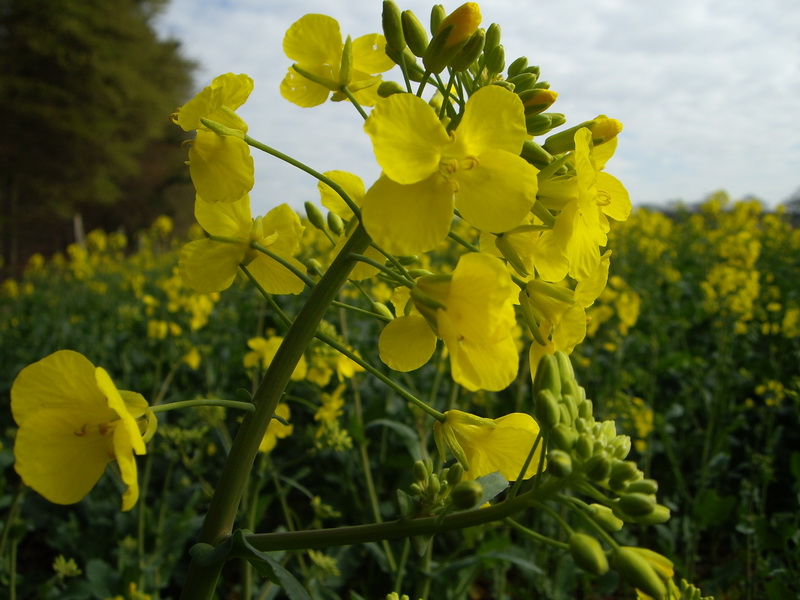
693	347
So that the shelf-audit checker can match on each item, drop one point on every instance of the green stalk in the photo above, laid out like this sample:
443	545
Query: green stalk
201	581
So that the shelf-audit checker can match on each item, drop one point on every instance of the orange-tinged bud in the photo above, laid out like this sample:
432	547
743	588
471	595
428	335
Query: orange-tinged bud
466	19
537	100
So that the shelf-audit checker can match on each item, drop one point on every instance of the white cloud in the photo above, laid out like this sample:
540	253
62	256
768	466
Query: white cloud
707	89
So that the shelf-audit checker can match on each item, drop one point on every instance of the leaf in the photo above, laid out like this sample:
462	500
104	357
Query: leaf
493	484
408	435
266	566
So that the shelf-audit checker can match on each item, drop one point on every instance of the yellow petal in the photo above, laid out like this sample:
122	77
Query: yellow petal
283	220
369	54
229	219
126	424
207	266
570	330
406	219
497	194
229	91
221	167
352	185
124	446
494	119
274	277
407	138
587	290
60	465
304	92
407	343
619	202
314	39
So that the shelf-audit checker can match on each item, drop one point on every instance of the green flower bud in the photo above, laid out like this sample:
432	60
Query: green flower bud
516	67
420	470
606	518
314	215
438	14
635	569
621	446
544	122
598	467
637	505
548	376
660	514
643	486
492	39
535	154
346	66
510	254
603	129
392	26
389	88
625	470
588	553
522	82
559	464
585	446
546	409
455	474
532	69
381	309
415	489
437	54
564	414
585	409
314	267
415	35
563	437
409	259
466	494
335	223
503	84
536	100
434	485
470	52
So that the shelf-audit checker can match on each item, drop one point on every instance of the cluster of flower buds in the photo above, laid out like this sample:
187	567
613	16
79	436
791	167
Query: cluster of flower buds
431	493
581	444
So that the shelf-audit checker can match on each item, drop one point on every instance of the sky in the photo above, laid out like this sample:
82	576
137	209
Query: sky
708	90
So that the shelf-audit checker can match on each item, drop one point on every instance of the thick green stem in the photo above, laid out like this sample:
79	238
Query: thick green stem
219	522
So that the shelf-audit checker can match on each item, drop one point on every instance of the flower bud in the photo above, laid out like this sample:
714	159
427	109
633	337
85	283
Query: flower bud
466	494
588	553
625	470
469	52
546	409
438	14
535	154
548	376
434	485
415	489
636	570
660	514
492	39
454	475
510	254
516	67
563	437
602	128
314	267
495	60
585	409
465	20
584	446
559	464
381	309
335	223
346	65
537	100
420	470
598	467
606	518
314	215
415	35
643	486
392	26
389	88
544	122
522	82
637	505
503	84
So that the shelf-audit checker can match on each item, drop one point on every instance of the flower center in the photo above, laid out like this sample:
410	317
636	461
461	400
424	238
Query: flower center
450	166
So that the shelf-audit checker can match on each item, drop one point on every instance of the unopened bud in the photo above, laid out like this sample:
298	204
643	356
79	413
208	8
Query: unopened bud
516	67
545	409
585	409
636	570
606	518
420	470
408	259
335	223
389	88
537	100
602	129
492	38
381	309
503	84
598	467
625	470
465	20
559	464
535	154
660	514
415	489
585	446
392	26
314	215
588	553
438	14
314	267
563	437
637	505
643	486
455	474
466	494
547	376
522	82
346	66
510	254
469	52
434	485
415	35
542	123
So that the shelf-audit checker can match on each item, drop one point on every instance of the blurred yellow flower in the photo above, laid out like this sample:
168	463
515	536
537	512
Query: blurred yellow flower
72	422
263	351
277	430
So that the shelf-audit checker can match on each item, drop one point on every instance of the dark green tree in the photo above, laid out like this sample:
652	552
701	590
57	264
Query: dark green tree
86	87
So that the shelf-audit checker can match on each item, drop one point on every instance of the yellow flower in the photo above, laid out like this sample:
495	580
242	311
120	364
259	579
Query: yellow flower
72	422
314	42
263	351
465	20
474	315
484	446
210	265
220	166
277	430
426	170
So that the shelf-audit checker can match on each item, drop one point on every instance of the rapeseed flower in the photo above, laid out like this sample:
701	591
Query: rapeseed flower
264	350
211	264
483	446
427	171
472	311
315	43
277	430
220	166
72	422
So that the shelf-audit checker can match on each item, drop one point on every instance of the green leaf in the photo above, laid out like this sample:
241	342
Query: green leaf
266	566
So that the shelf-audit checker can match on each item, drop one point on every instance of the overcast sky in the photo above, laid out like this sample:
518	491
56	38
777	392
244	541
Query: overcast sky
708	90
